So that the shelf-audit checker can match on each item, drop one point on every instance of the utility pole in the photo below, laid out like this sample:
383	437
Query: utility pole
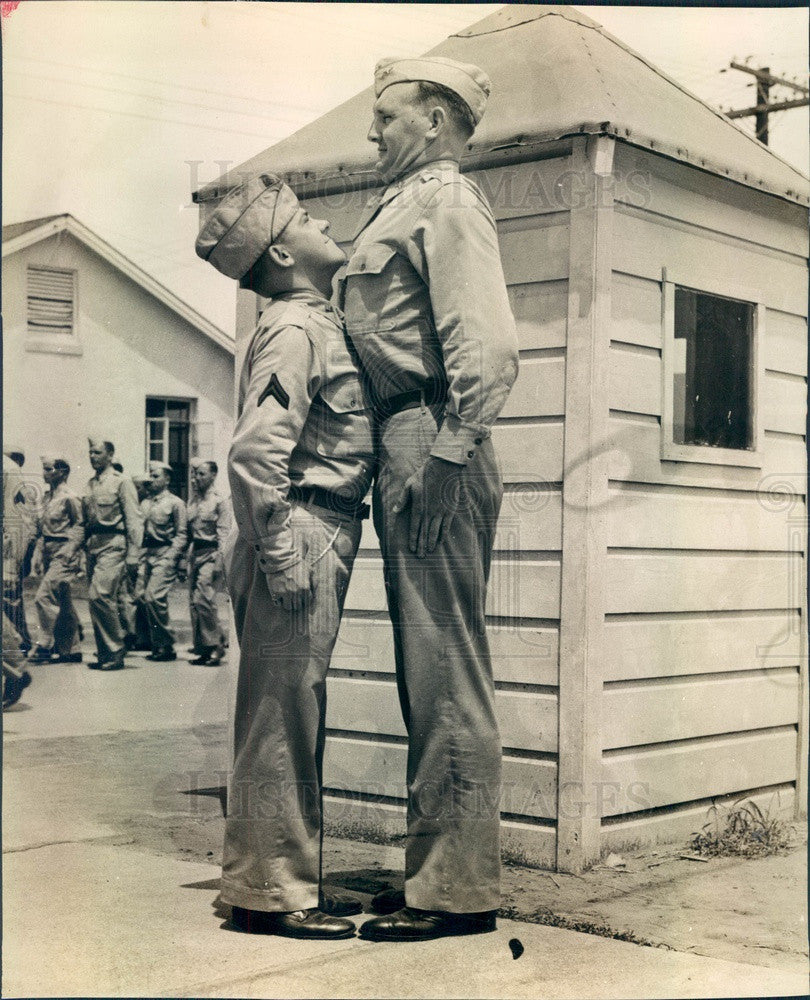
761	110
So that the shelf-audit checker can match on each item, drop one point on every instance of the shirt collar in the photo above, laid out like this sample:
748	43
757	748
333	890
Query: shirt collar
433	168
312	300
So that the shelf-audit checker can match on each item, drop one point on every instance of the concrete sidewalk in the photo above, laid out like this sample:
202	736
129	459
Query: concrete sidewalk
92	919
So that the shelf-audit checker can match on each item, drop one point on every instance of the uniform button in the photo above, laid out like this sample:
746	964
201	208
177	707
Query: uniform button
258	548
478	440
470	454
363	266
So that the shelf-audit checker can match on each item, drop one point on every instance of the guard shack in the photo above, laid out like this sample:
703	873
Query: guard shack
648	602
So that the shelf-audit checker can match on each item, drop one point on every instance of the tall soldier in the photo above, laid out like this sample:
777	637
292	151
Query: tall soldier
209	521
61	533
113	530
427	311
164	541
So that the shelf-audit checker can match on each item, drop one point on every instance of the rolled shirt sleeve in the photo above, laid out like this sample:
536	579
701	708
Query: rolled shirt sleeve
180	540
133	519
454	247
278	386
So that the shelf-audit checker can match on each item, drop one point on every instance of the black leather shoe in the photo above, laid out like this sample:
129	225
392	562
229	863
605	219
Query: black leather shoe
211	656
42	654
388	901
13	688
410	924
116	663
297	924
339	904
68	658
164	655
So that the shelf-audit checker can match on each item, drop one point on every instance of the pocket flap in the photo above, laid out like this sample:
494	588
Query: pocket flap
344	394
370	259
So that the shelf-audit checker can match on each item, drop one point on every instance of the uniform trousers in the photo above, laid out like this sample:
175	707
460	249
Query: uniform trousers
444	674
14	606
159	573
203	586
58	621
106	555
273	832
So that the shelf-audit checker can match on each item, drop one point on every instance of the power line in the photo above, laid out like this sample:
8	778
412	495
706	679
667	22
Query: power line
764	107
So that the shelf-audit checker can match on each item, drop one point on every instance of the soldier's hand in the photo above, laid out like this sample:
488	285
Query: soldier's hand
433	495
291	588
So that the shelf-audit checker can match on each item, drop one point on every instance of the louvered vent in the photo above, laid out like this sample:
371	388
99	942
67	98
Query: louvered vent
50	301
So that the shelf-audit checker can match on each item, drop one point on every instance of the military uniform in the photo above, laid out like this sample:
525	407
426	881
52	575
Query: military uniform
61	532
113	530
300	465
164	541
209	523
428	315
15	676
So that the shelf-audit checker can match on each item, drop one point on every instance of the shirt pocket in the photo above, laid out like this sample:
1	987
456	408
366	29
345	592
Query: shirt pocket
344	394
367	283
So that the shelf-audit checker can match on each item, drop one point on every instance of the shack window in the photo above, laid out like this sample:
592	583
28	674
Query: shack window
710	377
51	310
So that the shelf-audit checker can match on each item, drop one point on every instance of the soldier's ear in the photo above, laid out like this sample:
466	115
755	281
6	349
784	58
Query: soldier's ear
279	256
438	121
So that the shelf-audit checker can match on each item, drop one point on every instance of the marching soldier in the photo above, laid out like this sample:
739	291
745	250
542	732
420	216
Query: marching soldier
427	312
15	677
113	530
299	466
130	599
24	513
61	532
209	522
164	541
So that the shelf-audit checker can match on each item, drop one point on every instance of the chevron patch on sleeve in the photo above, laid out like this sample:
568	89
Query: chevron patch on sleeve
275	389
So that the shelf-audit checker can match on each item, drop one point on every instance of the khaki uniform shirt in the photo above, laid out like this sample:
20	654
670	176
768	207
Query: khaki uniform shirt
209	518
425	299
110	506
164	521
61	516
14	526
303	419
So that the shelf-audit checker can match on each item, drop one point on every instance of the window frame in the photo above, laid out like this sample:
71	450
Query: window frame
53	343
672	451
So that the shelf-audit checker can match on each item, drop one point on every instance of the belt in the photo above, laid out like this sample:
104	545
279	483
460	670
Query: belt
433	392
330	500
204	543
103	529
154	543
55	538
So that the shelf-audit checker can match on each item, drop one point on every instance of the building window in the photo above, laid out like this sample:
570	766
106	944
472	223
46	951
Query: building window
51	310
711	377
168	434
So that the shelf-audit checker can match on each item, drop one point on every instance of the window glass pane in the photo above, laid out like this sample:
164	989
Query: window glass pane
155	407
712	370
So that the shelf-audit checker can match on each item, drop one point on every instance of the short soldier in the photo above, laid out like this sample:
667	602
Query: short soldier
299	466
61	533
113	530
164	541
209	522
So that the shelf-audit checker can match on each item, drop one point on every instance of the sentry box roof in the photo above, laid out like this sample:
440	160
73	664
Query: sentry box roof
555	74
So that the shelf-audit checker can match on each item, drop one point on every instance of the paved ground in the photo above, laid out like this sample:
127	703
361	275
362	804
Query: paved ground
112	834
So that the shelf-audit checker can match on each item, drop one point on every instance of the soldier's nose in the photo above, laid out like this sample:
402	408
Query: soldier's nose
373	135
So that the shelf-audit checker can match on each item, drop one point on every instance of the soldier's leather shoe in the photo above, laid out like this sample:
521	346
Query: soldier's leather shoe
310	924
164	655
116	663
339	904
388	901
42	654
410	924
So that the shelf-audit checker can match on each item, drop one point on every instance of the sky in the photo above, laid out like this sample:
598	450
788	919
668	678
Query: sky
115	111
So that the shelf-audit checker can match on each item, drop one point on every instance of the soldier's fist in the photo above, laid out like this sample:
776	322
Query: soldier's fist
291	588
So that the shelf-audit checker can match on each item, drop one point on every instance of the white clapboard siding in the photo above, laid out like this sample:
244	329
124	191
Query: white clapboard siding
529	453
521	654
539	390
785	342
528	720
638	582
541	313
676	825
641	647
373	768
524	188
635	387
634	445
657	711
539	253
683	772
643	246
530	520
517	589
670	518
636	319
648	181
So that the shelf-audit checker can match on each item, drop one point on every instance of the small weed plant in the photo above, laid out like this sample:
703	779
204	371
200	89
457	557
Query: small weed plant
742	830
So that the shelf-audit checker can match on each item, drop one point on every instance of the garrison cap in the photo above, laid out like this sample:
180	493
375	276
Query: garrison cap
246	222
54	457
160	467
97	440
468	82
